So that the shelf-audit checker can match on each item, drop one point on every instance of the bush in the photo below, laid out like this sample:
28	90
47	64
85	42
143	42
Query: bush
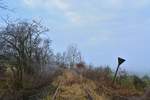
138	83
146	79
100	75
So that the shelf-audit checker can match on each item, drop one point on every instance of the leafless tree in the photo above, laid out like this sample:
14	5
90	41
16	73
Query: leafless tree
73	55
24	48
3	5
58	58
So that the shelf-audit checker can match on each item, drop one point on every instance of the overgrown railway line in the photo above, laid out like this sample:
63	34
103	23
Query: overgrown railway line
84	88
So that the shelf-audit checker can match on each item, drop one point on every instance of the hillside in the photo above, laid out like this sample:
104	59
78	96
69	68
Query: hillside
31	70
71	86
75	87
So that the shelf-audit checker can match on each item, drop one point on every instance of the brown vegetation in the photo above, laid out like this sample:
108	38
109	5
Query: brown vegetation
29	69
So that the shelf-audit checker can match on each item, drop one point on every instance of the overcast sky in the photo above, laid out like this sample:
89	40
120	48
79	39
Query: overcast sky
102	29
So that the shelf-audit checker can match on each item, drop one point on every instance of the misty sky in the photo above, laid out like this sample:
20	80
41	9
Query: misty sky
102	29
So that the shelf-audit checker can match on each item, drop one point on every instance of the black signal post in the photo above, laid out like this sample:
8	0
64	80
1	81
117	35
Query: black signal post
120	61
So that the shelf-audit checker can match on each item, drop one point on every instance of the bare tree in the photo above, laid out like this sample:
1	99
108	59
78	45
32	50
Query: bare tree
73	55
58	58
24	48
3	5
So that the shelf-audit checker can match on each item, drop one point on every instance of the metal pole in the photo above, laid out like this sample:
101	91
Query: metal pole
114	79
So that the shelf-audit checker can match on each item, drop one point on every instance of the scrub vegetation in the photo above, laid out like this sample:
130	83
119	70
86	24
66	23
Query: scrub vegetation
30	70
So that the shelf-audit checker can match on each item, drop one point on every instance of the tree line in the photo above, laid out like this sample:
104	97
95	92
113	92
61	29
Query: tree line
25	49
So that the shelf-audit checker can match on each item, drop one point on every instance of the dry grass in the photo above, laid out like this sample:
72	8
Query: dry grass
74	87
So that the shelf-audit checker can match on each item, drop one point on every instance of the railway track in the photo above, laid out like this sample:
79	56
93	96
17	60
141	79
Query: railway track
84	88
89	95
56	92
